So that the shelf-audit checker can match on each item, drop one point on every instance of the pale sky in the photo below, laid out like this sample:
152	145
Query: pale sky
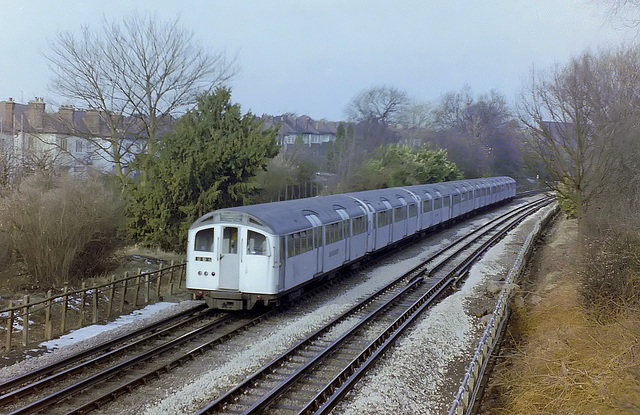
313	56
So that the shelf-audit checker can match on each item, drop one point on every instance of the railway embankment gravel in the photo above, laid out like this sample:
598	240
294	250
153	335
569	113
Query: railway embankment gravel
421	374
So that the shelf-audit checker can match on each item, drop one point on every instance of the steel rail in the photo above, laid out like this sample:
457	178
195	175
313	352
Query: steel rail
401	322
48	369
51	379
105	374
414	274
341	384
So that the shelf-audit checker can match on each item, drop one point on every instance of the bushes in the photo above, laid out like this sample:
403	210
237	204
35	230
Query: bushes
610	280
60	228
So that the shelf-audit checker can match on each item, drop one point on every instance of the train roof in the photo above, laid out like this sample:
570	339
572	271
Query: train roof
285	217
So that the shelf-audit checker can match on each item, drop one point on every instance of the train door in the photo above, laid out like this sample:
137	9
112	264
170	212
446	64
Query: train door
371	228
256	260
317	240
229	259
346	232
390	220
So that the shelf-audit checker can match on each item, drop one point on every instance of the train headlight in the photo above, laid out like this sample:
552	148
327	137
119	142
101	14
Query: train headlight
199	272
206	273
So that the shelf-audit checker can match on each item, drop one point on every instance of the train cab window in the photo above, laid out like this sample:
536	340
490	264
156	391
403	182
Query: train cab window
204	240
256	243
230	240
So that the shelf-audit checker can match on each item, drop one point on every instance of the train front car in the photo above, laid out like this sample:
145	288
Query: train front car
233	255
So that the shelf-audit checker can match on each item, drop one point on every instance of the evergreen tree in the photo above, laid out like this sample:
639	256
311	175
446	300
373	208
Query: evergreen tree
398	165
207	162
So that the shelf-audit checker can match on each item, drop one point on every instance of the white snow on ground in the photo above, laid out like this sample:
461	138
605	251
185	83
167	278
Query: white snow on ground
88	332
90	336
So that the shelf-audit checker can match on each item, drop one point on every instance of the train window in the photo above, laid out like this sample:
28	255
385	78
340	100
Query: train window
437	203
290	246
318	234
359	225
446	201
310	239
230	240
456	199
204	240
296	244
400	213
413	210
426	206
256	243
282	249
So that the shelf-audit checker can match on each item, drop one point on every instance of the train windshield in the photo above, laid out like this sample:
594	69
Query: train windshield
256	243
204	240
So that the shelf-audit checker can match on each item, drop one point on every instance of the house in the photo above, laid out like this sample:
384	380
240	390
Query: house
69	139
304	130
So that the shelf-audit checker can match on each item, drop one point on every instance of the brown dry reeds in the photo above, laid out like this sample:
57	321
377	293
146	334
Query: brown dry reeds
571	363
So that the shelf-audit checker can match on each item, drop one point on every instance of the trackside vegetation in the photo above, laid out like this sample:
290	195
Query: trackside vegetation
207	162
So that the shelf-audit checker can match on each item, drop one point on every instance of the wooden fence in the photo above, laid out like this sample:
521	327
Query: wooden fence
58	314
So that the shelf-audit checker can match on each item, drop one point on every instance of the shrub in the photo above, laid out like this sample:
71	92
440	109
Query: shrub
60	228
610	280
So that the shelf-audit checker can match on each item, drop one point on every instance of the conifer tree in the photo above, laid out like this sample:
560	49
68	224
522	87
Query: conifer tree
207	162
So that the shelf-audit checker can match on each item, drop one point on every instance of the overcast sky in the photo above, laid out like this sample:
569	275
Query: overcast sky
313	56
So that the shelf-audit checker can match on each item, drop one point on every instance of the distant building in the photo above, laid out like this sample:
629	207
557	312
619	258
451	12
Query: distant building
70	139
303	130
76	139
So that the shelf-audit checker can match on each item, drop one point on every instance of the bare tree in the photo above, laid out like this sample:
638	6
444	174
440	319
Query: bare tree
583	123
379	104
416	115
135	74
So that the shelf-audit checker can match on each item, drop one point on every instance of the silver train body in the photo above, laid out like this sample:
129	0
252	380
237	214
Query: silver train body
270	252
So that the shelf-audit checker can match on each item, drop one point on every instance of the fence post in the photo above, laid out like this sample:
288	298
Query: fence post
183	271
94	303
159	281
65	304
135	300
48	326
112	293
9	326
146	289
25	320
125	282
173	263
83	295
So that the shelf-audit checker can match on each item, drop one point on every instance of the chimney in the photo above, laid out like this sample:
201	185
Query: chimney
65	114
35	113
92	121
8	114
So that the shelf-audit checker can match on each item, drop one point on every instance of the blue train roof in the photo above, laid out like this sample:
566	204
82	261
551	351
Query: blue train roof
285	217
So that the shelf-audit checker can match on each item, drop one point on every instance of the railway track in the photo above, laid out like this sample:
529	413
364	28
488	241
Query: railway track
313	375
79	373
83	372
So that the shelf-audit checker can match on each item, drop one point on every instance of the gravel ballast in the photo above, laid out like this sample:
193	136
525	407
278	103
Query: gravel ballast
420	374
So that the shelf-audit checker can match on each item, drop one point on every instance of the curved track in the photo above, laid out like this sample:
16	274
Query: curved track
315	373
117	367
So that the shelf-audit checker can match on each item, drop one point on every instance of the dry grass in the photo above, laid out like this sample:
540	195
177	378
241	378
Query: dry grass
569	363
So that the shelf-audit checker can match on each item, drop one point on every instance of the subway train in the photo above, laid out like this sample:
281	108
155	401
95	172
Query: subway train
270	253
